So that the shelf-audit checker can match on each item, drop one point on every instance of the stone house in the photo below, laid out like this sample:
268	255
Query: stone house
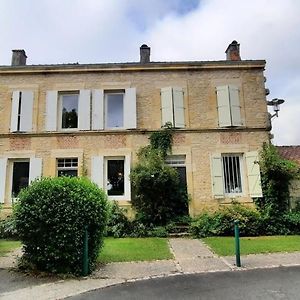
90	119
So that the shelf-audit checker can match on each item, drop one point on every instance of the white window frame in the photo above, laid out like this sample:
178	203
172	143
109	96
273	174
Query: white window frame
112	92
60	106
176	160
64	168
241	164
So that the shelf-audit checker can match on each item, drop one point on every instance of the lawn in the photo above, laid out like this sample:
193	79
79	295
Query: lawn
134	249
252	245
8	245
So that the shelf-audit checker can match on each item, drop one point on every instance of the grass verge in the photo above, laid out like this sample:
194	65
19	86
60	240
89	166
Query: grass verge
253	245
8	245
134	249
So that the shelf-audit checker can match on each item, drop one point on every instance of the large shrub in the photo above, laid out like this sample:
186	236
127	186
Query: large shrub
51	217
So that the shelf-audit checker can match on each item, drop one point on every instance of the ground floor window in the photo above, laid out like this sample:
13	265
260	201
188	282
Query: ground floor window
20	176
115	176
67	167
178	163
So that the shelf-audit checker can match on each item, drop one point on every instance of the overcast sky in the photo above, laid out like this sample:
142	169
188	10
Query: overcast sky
89	31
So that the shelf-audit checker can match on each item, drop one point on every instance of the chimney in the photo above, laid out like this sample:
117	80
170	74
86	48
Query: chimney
233	51
18	58
144	54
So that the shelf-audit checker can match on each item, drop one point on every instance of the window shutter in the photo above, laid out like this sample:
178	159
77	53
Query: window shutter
3	163
26	111
84	108
97	109
235	106
14	111
178	101
97	170
166	106
127	176
253	173
130	108
35	169
217	176
223	106
51	111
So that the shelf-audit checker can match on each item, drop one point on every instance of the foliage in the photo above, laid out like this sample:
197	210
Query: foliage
51	217
221	222
276	174
157	194
8	228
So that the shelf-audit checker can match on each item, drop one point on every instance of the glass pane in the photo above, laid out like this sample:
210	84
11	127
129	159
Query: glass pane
69	111
20	177
70	173
114	116
115	177
232	174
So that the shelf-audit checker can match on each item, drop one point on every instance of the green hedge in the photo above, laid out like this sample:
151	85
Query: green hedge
51	217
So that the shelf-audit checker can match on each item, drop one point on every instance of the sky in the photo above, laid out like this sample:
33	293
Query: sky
95	31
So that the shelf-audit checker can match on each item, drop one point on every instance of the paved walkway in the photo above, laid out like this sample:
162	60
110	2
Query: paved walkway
190	256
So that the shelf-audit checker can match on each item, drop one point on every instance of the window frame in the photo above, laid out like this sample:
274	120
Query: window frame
64	168
60	95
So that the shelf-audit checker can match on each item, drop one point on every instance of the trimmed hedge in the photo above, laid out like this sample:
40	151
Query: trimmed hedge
51	217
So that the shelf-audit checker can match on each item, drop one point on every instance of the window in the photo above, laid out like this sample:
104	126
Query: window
229	110
115	177
172	106
68	106
114	109
67	167
232	174
178	163
20	177
21	112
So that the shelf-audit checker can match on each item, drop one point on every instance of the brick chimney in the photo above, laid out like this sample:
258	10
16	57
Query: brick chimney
18	58
233	51
144	54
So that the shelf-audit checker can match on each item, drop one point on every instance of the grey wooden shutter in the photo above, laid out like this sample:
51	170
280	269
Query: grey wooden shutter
35	169
3	163
26	111
97	170
84	109
130	108
97	109
14	111
253	174
217	176
223	106
235	106
178	102
166	106
51	111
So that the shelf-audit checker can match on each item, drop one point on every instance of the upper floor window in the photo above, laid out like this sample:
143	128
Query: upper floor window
68	110
114	109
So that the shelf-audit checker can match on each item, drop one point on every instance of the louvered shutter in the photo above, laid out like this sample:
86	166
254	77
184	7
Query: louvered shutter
14	111
166	106
217	176
253	174
35	169
130	108
97	109
84	108
97	170
51	111
223	106
3	163
235	106
26	111
178	102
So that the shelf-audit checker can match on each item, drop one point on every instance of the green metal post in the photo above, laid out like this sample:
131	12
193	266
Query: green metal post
237	243
85	264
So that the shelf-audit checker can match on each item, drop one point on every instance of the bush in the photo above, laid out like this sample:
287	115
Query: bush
8	228
221	222
51	217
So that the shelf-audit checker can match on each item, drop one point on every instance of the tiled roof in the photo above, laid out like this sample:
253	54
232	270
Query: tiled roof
290	152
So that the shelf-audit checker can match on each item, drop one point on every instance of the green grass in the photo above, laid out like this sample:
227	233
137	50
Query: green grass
134	249
8	245
253	245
